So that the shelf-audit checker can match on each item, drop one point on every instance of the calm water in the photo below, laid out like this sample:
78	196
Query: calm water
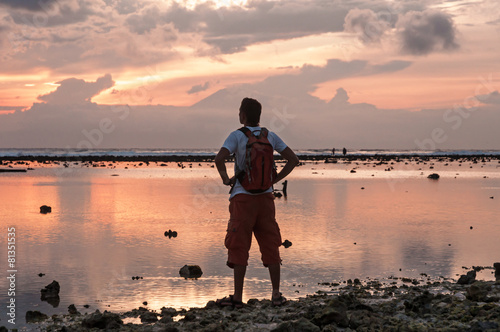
104	229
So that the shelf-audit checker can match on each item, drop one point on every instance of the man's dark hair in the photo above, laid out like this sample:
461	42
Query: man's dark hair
252	109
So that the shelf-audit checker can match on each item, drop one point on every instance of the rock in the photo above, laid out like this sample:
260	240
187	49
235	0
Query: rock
483	326
467	279
45	209
35	317
433	176
478	291
169	312
331	315
105	320
286	244
166	319
497	269
420	304
50	293
148	317
300	325
72	310
170	234
191	271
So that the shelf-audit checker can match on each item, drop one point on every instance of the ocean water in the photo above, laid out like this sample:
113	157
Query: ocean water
5	152
107	225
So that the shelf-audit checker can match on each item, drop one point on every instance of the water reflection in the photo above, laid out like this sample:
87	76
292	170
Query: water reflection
105	229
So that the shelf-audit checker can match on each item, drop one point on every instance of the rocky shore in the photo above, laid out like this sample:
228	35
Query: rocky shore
7	160
441	305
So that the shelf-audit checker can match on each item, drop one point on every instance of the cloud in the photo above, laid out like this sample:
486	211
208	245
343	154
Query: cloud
231	29
366	24
144	22
490	98
302	120
340	98
55	13
77	91
425	32
199	88
33	5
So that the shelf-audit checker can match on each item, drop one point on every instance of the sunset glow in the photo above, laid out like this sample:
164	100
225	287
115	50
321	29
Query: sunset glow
385	55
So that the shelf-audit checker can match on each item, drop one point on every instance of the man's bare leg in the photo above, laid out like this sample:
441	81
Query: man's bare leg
274	273
239	277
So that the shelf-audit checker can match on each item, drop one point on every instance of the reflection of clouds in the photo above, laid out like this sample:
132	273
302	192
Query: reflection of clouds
104	230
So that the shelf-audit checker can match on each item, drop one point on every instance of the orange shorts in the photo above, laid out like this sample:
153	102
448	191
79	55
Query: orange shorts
252	214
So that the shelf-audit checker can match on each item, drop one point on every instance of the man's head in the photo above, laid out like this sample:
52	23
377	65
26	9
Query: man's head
250	110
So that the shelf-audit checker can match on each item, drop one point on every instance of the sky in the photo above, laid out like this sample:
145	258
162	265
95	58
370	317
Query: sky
171	74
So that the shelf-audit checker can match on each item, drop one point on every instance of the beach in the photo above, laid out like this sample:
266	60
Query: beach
372	218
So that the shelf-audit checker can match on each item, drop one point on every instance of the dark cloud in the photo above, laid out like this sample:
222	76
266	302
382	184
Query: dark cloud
199	88
64	15
366	24
425	32
490	98
144	22
33	5
340	98
77	91
231	29
56	123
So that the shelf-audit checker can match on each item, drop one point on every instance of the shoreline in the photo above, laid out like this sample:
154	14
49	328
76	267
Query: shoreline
360	306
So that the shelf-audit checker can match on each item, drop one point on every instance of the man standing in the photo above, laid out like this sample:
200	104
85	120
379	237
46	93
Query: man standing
252	213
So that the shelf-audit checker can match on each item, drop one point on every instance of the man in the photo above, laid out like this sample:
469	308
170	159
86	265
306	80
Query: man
252	213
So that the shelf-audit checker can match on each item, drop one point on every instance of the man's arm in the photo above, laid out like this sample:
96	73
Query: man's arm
291	161
220	162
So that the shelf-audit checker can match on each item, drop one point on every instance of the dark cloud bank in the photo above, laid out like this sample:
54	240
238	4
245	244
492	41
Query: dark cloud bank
67	118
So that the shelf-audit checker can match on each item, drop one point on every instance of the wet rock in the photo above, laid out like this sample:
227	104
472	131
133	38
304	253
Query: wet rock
170	311
45	209
148	317
421	304
433	176
497	270
332	315
300	325
483	326
50	293
191	271
467	279
166	319
170	234
478	291
365	319
105	320
35	316
72	310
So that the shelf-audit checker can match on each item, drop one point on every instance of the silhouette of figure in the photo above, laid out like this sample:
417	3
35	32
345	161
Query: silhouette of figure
252	213
333	152
344	151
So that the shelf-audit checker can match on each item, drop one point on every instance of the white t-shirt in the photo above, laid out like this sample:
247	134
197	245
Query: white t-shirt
236	143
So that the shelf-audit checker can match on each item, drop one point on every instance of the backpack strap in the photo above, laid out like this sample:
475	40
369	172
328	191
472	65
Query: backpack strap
248	132
245	131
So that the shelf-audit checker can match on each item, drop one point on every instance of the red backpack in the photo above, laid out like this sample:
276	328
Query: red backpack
259	171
